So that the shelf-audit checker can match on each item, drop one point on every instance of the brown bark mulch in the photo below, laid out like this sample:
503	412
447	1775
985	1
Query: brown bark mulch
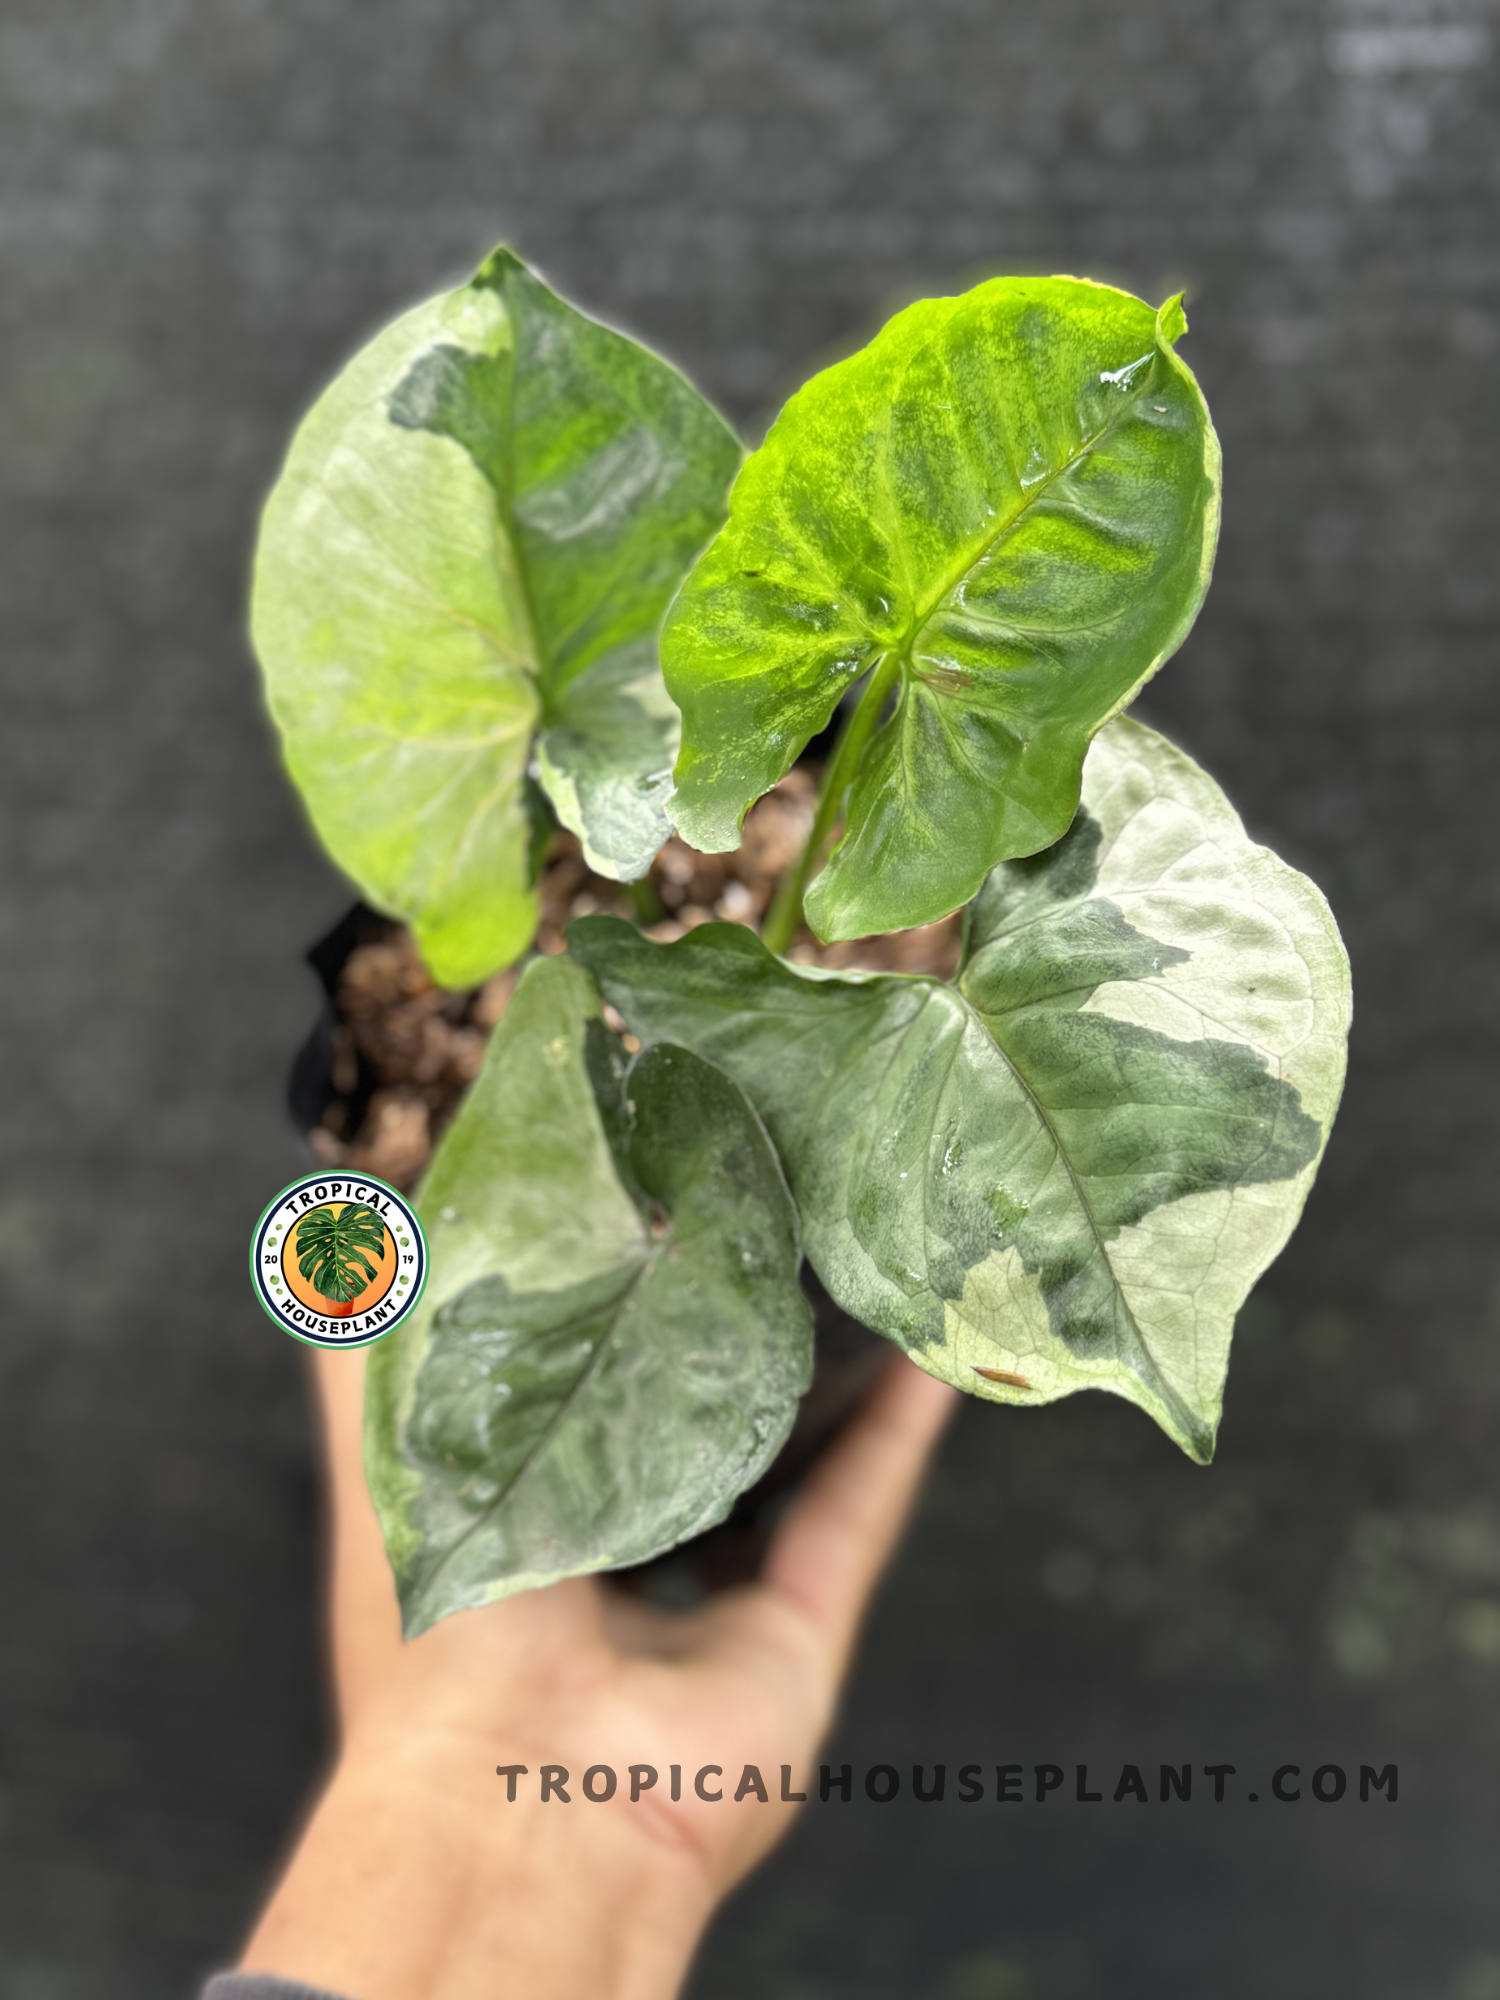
423	1046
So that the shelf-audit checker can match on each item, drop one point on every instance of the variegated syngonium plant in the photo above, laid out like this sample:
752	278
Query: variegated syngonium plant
970	544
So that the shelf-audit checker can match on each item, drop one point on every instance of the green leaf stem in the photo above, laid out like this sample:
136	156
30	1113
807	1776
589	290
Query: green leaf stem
1069	1169
1013	497
461	571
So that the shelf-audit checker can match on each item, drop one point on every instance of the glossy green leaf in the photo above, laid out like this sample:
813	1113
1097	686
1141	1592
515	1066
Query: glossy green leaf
594	1374
463	566
1009	499
1071	1168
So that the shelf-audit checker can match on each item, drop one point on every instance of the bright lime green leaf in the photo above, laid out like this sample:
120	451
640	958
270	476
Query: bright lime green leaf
594	1375
1013	496
1071	1169
476	533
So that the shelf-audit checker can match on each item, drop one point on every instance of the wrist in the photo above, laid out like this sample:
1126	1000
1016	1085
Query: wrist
449	1892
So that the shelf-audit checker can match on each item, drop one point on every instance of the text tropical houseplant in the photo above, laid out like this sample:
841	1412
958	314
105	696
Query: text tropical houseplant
1061	1169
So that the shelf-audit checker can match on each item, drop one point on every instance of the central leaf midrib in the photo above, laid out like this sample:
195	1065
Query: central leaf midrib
506	497
546	659
970	562
507	1493
1084	1203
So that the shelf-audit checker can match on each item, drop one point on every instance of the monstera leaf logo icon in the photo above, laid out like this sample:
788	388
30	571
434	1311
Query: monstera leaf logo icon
335	1247
336	1262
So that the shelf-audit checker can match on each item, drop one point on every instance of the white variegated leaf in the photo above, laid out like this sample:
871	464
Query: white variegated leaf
1071	1167
463	567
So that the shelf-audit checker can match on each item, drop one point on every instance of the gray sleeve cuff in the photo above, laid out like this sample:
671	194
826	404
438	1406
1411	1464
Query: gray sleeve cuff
260	1986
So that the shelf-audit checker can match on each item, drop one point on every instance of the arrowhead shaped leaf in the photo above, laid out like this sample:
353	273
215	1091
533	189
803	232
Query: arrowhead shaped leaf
1071	1169
476	533
594	1375
1009	503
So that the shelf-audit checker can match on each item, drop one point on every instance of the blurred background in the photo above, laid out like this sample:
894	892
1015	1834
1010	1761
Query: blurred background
205	205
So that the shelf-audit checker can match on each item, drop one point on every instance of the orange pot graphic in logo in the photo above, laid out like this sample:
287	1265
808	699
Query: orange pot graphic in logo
344	1257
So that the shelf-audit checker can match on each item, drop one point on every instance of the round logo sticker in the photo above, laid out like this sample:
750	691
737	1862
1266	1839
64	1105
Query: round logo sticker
338	1261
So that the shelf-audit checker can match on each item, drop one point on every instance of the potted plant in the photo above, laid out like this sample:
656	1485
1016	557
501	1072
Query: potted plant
1019	1039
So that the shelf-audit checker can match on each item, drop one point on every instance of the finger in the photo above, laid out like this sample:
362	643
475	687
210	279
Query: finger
838	1535
340	1378
365	1618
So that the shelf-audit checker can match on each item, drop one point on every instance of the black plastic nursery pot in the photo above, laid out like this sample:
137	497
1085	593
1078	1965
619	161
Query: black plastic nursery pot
330	1091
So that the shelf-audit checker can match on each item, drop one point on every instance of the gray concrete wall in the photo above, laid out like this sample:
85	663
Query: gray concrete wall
204	205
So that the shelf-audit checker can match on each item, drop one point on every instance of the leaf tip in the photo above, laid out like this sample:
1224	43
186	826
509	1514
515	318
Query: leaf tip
418	1615
502	263
1199	1446
703	822
1171	321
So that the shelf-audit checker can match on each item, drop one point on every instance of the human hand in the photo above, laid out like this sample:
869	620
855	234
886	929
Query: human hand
415	1879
